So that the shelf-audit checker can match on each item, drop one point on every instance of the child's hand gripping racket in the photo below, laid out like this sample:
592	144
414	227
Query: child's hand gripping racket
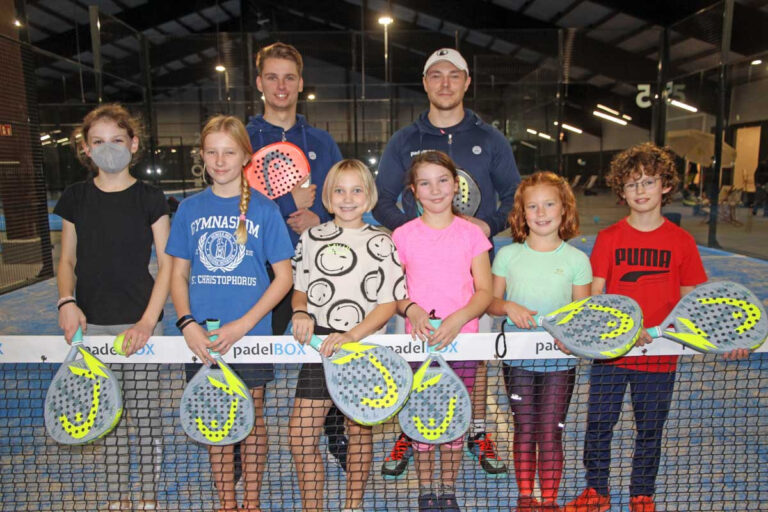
367	382
716	317
84	401
276	168
439	409
216	407
598	327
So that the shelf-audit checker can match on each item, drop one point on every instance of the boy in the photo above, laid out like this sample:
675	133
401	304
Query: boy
655	262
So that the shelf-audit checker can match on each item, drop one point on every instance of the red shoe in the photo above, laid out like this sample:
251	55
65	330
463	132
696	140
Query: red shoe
641	504
549	506
589	501
527	504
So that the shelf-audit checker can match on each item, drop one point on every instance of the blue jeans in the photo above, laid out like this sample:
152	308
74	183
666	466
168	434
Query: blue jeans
651	395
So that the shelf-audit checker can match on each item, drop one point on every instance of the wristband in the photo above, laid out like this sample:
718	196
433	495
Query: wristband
310	315
184	321
405	311
63	302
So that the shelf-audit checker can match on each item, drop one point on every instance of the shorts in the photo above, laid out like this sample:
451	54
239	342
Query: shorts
311	380
455	445
255	375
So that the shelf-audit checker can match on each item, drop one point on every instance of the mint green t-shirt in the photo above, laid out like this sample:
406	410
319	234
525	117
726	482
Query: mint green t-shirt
542	282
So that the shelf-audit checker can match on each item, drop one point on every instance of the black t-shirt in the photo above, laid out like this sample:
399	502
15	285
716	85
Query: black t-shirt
114	246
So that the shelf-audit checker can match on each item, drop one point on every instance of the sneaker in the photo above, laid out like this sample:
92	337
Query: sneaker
549	506
429	503
589	501
527	504
395	465
337	440
641	504
482	448
448	503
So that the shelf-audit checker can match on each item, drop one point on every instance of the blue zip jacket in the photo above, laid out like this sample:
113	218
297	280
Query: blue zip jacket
321	151
477	147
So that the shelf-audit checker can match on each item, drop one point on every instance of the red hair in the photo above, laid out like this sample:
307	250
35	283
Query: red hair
569	224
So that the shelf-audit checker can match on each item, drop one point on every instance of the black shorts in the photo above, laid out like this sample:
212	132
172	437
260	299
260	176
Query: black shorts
255	375
311	381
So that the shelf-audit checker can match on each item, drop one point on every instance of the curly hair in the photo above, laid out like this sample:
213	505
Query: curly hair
569	224
648	159
113	112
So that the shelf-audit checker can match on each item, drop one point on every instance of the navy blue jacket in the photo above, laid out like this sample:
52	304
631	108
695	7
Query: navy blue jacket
477	147
321	151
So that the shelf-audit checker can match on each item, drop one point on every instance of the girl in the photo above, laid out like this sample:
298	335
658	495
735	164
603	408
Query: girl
331	262
221	241
109	224
540	273
447	269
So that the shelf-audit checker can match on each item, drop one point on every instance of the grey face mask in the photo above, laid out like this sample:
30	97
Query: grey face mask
111	157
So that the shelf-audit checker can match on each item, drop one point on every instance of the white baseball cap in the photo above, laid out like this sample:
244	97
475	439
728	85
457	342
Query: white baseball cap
447	54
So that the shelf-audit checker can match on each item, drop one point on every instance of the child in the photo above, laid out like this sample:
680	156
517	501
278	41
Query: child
331	262
447	269
540	273
645	177
221	241
109	224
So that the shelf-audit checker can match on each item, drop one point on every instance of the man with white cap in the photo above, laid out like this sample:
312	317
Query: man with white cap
482	152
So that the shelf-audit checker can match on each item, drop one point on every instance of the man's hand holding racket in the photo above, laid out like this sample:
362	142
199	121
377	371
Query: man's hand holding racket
304	195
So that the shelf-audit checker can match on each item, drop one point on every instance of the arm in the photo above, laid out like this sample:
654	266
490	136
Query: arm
451	326
231	332
303	324
194	334
372	322
70	315
389	183
521	316
142	330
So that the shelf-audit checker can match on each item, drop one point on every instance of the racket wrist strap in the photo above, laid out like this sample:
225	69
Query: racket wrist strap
65	300
310	315
405	311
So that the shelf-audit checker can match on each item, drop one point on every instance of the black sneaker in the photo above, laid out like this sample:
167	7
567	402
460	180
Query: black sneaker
337	440
482	448
395	465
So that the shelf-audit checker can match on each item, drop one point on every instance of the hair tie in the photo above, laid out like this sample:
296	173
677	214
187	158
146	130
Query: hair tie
242	217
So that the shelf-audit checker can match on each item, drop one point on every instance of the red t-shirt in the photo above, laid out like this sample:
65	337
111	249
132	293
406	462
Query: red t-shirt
650	267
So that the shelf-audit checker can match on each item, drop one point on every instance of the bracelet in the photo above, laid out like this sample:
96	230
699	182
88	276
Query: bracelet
66	299
405	311
184	321
181	328
62	303
310	315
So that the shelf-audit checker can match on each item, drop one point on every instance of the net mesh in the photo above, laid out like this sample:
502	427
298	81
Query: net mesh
712	449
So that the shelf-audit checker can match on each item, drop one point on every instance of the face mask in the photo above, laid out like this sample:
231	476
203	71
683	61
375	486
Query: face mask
111	157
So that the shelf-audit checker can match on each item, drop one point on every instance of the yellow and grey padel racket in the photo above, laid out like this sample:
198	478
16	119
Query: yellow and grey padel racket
716	317
216	407
598	327
367	382
466	201
84	401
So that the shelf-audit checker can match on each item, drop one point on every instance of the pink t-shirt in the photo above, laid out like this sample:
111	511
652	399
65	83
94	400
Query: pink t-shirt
438	264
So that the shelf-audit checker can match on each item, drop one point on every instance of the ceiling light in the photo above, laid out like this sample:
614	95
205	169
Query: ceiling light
614	112
528	144
311	96
531	131
609	117
544	136
571	128
756	62
45	137
385	20
220	68
684	106
17	23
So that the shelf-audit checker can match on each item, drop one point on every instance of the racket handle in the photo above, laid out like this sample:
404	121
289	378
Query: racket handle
77	338
654	332
210	325
435	323
315	342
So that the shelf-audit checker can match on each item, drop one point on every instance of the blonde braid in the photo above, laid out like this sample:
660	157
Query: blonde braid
241	233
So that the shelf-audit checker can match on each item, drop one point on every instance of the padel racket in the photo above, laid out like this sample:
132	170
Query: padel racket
598	327
216	407
367	382
716	317
84	401
467	199
276	168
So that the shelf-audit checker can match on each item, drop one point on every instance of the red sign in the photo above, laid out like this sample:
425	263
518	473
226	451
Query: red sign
5	130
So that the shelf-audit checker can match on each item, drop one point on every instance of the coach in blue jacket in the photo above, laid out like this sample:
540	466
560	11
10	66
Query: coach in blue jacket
483	152
478	148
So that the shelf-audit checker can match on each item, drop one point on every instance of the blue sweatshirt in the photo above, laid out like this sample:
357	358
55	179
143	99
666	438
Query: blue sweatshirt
477	147
321	151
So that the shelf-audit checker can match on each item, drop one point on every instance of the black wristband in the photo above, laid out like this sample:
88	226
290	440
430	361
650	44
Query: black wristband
405	311
310	315
184	321
68	301
192	321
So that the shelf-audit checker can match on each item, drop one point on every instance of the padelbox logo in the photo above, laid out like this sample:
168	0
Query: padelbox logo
422	348
108	350
269	349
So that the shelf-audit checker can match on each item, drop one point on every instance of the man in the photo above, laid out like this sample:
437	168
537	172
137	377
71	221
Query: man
279	79
481	151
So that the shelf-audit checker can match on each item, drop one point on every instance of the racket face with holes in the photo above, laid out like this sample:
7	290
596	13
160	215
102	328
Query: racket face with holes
718	317
598	327
367	382
276	168
439	409
467	198
217	407
84	401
